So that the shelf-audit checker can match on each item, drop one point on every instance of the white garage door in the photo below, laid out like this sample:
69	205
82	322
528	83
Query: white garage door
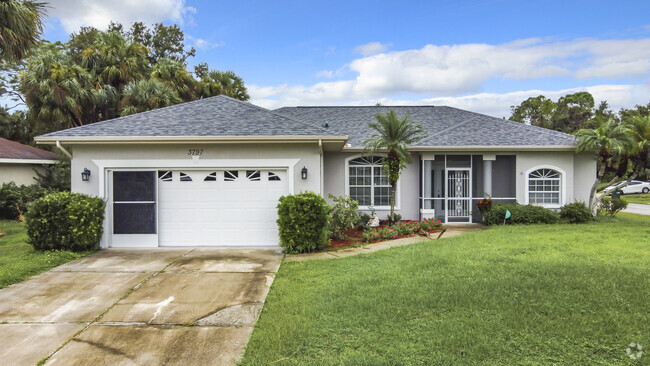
219	207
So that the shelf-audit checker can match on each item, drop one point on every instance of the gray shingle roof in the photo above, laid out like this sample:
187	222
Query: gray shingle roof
446	126
215	116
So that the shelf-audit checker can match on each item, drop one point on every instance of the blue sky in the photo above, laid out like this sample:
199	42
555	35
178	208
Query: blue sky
478	55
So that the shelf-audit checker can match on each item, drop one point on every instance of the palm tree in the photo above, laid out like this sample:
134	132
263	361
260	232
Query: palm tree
608	138
173	74
21	26
639	128
115	61
393	136
223	82
146	95
56	90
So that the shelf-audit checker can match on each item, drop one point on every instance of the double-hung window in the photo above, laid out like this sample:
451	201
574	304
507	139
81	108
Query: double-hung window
367	182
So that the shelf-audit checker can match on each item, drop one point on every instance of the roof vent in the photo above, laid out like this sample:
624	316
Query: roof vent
326	125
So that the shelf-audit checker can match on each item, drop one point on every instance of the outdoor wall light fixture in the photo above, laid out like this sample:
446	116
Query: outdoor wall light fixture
304	172
85	175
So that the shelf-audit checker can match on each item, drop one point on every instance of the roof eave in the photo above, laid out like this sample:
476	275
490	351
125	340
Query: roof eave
484	148
27	161
184	139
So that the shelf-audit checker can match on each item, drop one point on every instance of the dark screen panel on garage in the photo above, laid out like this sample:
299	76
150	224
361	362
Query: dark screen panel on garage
134	202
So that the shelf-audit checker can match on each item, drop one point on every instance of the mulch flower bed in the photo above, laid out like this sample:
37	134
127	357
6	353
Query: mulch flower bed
403	229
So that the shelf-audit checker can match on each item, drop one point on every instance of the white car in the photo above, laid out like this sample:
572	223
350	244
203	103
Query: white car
635	186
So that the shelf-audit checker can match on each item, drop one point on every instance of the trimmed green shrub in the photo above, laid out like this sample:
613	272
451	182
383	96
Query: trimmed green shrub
10	197
15	199
344	215
302	222
65	221
612	206
576	213
520	214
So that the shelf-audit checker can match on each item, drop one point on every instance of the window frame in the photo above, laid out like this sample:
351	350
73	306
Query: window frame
562	187
372	186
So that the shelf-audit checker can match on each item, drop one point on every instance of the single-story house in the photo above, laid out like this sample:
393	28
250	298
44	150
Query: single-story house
210	172
19	162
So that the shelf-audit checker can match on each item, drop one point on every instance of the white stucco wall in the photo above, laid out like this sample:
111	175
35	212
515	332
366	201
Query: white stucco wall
21	174
86	156
578	169
584	172
175	156
407	195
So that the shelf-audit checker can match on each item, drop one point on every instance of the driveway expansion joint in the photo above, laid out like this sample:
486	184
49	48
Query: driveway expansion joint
126	294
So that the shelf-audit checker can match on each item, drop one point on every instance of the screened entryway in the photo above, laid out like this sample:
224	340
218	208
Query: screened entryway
452	184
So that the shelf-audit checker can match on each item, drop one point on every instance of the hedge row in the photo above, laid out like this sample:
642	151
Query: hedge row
576	212
15	199
65	221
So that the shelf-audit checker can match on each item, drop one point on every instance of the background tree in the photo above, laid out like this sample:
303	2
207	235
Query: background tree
56	90
146	95
21	26
222	82
607	138
173	74
639	129
15	127
394	136
537	111
572	111
162	41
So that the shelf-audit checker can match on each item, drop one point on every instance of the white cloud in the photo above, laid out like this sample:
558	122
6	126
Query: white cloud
325	74
456	74
203	44
456	69
99	13
372	48
494	104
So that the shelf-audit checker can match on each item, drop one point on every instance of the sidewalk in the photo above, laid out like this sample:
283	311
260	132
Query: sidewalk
637	208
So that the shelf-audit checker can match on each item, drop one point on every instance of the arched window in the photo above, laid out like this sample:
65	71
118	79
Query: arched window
545	187
367	183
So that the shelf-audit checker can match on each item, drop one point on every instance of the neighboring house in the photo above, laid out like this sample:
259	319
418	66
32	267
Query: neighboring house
18	162
210	172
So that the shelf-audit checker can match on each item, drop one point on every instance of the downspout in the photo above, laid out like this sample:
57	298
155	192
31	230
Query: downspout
320	148
63	150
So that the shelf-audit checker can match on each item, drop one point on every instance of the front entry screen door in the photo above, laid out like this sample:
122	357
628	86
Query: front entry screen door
134	202
458	195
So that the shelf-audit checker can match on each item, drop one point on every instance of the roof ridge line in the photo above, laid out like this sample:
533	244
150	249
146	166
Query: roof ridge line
450	127
278	114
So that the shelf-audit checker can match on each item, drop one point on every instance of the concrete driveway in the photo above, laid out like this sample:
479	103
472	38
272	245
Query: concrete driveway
138	307
637	208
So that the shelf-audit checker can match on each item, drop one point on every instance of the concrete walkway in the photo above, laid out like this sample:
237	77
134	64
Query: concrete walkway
637	208
138	307
452	230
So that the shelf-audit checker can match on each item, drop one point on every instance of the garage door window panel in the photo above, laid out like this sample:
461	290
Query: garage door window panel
212	177
134	202
230	175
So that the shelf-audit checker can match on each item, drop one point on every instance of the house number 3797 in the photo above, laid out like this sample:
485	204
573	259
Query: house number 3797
194	152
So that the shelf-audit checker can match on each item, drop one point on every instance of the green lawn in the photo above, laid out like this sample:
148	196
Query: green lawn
637	198
19	261
561	294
